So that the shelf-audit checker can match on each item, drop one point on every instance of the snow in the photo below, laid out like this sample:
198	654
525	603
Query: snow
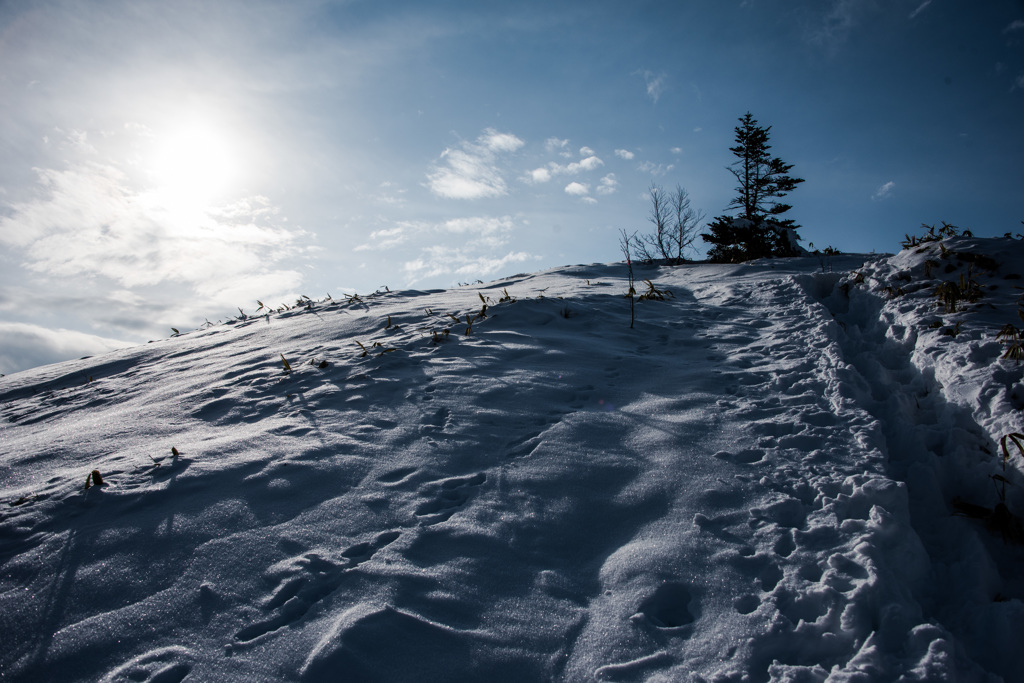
757	482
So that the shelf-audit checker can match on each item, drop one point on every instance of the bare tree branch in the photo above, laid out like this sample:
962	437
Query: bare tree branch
676	226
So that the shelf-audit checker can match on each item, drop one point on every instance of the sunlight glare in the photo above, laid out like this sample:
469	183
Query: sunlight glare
193	164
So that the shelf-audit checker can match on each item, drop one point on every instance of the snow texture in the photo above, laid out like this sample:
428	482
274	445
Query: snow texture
783	472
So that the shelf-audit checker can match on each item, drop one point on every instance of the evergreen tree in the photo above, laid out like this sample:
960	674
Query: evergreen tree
758	231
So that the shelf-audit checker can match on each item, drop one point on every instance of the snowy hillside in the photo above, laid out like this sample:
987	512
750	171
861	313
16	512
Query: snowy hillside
778	474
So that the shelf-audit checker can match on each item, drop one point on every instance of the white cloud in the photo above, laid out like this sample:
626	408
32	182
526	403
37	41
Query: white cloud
676	150
558	145
476	231
543	175
832	28
589	164
577	189
482	225
480	241
467	176
655	84
624	154
471	171
91	229
884	191
387	238
24	346
487	232
920	8
576	167
608	184
90	223
586	152
460	263
500	142
79	141
656	169
539	175
389	195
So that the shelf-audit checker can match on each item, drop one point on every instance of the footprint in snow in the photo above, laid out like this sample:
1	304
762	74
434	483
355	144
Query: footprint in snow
669	610
748	456
438	420
786	512
307	580
451	495
757	566
397	475
163	665
746	604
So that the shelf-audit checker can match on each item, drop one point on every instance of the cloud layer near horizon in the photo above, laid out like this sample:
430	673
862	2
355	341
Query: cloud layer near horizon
142	260
28	346
91	223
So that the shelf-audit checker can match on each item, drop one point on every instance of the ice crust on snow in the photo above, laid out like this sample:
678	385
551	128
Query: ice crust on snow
756	483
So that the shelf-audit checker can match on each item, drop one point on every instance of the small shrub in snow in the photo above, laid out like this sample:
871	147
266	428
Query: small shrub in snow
998	519
1017	439
949	296
933	234
94	479
952	292
893	292
653	293
1011	336
824	256
374	345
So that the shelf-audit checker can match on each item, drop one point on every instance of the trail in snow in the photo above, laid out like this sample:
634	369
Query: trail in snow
753	484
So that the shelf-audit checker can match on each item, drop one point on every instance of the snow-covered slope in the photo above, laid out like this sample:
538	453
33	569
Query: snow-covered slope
758	481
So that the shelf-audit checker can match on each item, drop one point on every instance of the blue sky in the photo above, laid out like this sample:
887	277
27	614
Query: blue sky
164	163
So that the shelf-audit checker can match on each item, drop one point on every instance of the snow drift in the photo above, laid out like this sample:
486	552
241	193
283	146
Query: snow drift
789	470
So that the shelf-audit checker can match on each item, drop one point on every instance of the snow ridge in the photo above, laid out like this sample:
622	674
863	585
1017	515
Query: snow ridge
755	484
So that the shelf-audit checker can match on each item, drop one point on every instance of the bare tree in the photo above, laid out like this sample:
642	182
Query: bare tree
686	223
624	242
676	226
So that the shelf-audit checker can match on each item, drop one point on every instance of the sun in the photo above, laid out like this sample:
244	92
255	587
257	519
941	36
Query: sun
192	163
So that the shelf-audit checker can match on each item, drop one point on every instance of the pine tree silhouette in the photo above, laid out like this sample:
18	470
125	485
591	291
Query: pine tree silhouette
757	231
